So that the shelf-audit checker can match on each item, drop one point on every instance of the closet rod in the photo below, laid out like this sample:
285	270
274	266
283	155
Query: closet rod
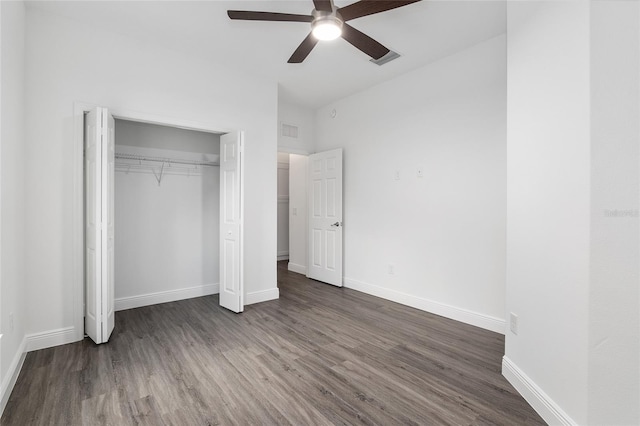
164	160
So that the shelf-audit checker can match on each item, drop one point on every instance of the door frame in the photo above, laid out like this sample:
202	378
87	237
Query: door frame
77	215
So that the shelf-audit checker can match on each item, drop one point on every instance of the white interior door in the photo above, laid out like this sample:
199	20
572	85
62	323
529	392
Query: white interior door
325	217
99	229
231	285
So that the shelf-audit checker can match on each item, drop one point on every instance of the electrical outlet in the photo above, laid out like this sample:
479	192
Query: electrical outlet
11	321
295	211
392	269
420	172
513	321
396	175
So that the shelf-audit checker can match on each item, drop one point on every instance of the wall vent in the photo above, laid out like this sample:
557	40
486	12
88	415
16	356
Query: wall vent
386	58
289	130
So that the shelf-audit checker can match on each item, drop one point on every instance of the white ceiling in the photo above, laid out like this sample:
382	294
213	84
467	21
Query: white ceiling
421	32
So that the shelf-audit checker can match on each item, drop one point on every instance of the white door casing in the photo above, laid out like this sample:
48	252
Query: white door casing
99	229
231	217
325	217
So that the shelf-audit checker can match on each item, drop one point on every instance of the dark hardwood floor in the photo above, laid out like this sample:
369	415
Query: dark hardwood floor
318	355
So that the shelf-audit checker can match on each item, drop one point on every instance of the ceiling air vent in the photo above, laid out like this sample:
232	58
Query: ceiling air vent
386	58
289	130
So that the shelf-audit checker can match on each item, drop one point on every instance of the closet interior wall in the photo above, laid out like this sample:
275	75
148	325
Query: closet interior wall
167	198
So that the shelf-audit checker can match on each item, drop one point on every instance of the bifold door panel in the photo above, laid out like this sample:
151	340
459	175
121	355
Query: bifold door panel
99	227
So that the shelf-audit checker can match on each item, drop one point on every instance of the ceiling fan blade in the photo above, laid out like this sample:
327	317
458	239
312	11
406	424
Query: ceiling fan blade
363	42
303	50
246	15
369	7
323	5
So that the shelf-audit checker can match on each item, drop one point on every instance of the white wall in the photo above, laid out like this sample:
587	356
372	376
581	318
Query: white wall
614	308
572	236
68	61
572	271
167	234
548	197
283	206
298	213
12	202
444	233
301	117
145	135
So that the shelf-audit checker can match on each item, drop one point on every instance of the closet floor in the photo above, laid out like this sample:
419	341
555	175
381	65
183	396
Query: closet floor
318	355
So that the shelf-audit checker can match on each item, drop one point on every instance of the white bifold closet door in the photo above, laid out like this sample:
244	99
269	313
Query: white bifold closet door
99	229
231	217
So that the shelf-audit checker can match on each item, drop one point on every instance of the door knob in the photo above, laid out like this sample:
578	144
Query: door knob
337	224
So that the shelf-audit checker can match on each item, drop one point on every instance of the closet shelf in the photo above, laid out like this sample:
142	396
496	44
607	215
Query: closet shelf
164	160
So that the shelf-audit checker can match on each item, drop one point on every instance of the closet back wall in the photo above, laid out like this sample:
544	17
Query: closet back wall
166	236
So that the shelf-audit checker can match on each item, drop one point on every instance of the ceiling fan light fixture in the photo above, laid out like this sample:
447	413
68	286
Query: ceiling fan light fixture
327	28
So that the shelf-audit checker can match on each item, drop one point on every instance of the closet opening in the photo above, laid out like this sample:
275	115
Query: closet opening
167	214
158	215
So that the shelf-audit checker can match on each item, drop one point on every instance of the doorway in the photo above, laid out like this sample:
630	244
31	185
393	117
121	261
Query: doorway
297	213
283	206
314	201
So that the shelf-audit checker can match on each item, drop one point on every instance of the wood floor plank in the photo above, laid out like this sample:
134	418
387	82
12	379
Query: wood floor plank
440	400
320	355
320	386
276	388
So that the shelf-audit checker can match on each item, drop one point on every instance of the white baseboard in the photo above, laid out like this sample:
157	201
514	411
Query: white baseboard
299	269
131	302
536	397
282	256
50	338
12	375
463	315
261	296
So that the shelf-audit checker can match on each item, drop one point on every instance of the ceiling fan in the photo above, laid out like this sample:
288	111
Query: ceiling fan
328	23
